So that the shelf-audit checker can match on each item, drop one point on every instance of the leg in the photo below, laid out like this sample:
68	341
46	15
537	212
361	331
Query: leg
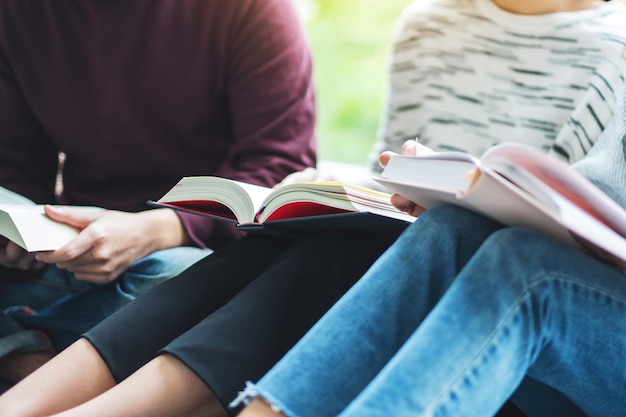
361	332
23	350
129	339
241	336
20	289
162	388
181	303
83	305
17	365
244	338
524	305
54	387
59	308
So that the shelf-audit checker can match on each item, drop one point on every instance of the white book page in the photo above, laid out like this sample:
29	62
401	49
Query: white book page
257	196
29	227
591	230
562	179
242	199
444	171
335	194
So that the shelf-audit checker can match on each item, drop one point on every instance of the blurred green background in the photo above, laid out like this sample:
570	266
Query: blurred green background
350	41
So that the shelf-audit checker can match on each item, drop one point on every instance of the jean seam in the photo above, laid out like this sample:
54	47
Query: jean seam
477	359
582	284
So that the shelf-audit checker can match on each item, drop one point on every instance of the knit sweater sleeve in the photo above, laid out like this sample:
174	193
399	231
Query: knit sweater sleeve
605	164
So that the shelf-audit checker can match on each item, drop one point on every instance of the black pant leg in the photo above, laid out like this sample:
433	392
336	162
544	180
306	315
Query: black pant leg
244	338
133	335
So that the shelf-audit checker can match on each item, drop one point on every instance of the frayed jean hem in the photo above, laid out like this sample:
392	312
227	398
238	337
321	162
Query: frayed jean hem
252	391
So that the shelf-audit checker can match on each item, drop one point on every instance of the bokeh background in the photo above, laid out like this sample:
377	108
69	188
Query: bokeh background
350	41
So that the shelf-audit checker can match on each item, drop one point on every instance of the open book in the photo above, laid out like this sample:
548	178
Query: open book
518	186
24	222
298	205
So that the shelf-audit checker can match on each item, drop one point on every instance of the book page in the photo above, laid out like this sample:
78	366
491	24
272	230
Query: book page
595	234
500	187
443	171
516	161
215	196
305	199
29	227
562	219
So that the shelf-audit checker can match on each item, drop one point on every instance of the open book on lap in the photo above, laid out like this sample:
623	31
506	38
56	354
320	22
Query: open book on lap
518	186
298	206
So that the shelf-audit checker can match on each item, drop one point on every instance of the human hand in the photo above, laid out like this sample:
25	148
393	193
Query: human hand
13	256
307	174
110	241
410	147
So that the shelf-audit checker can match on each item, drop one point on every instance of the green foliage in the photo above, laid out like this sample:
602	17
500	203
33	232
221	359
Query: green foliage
350	41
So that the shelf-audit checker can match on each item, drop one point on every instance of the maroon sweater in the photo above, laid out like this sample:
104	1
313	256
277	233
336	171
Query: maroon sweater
138	93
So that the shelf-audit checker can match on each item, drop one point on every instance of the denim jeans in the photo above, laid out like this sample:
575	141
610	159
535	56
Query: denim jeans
455	317
55	307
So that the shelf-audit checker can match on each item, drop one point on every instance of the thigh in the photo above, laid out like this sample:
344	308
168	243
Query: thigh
585	332
131	336
157	267
244	338
576	314
39	289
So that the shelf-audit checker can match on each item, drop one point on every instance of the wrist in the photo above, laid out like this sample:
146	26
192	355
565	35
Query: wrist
166	229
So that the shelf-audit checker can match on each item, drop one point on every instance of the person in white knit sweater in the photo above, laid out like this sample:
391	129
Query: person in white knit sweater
461	314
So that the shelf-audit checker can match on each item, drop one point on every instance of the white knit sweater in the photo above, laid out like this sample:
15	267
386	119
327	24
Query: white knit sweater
466	75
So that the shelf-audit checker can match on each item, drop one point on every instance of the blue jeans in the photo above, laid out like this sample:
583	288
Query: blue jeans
456	317
55	307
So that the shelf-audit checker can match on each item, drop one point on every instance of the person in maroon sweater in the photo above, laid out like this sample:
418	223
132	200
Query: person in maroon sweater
119	99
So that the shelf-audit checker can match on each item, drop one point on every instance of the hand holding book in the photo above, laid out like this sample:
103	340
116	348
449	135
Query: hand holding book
519	186
410	147
24	223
